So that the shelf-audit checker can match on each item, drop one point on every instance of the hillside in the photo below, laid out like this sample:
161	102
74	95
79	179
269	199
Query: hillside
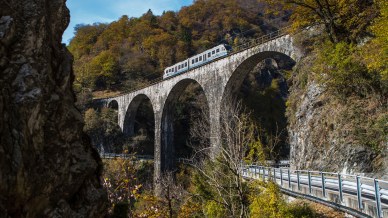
131	52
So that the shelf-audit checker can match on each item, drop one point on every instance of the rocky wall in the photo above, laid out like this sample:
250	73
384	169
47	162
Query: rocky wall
48	167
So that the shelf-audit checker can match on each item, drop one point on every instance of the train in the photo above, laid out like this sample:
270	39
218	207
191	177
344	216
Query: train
197	60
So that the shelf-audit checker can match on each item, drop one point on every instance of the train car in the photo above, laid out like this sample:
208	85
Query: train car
209	55
197	60
176	69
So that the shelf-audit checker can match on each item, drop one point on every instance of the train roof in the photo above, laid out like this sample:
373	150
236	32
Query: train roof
199	54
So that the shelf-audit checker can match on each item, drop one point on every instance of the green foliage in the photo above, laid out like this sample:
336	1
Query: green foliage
344	20
256	153
103	67
376	51
267	202
342	72
213	210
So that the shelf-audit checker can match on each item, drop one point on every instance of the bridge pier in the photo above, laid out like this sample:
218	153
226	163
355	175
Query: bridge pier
157	153
214	124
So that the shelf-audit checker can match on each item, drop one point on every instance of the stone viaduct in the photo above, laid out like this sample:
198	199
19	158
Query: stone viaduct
217	79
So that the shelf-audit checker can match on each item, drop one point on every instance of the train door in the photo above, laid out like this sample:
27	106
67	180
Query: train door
204	58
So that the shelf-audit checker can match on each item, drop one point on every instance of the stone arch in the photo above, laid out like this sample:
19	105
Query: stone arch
238	75
167	122
113	104
131	112
246	66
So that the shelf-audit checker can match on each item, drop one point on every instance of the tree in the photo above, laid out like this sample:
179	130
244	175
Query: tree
122	185
342	19
376	51
93	127
219	181
167	204
104	68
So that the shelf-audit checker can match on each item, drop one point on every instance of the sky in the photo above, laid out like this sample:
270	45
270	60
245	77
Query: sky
105	11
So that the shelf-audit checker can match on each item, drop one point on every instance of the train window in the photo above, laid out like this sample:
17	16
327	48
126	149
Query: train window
218	50
213	52
200	58
196	60
209	54
192	62
186	64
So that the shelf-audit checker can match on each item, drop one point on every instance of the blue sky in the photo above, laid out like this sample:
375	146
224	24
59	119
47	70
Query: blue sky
91	11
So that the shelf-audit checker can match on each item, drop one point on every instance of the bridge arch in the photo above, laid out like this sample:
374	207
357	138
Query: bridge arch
168	146
113	104
247	65
131	112
255	95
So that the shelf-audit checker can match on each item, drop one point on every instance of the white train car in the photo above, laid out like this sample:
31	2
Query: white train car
197	60
176	69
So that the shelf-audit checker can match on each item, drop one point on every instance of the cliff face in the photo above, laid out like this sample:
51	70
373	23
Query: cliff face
331	134
47	165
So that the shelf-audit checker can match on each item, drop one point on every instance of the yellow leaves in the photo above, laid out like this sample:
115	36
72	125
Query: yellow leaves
214	209
190	209
150	206
376	51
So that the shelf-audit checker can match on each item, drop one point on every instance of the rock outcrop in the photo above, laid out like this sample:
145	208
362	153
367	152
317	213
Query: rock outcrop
325	132
47	166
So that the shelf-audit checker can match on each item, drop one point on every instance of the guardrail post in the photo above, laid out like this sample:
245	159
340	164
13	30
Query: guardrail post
289	178
298	179
359	199
281	177
340	188
309	178
263	174
274	175
323	184
378	198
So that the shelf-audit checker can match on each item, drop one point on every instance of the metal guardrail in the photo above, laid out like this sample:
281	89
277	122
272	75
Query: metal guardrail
251	43
365	190
125	156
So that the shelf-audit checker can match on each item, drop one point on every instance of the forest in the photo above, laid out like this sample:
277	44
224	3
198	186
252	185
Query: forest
346	56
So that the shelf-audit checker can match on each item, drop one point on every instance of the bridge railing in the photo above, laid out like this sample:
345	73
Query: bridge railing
363	195
261	40
236	49
125	156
